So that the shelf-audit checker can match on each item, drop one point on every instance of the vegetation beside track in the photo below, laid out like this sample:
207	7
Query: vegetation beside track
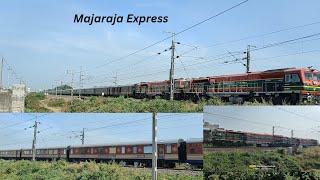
236	165
85	170
37	102
33	103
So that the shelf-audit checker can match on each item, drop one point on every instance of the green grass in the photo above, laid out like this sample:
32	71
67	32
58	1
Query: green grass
32	103
59	102
27	170
127	105
235	165
121	104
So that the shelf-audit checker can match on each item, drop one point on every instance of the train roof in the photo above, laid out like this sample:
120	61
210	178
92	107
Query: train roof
192	140
261	72
140	143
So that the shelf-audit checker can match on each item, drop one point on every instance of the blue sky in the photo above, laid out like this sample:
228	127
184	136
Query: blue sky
63	129
304	120
40	41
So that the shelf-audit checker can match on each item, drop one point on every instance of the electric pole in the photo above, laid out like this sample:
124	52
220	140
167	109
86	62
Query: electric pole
171	75
272	130
80	81
72	79
115	82
154	147
291	137
1	73
248	58
56	89
35	127
61	83
82	136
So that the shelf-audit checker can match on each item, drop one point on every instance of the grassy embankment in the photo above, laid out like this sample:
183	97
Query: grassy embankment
236	165
28	170
36	102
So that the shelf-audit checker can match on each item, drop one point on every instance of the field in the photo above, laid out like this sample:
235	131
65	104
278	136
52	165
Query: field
28	170
262	165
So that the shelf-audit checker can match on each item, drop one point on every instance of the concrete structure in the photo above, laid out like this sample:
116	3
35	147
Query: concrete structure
12	100
5	100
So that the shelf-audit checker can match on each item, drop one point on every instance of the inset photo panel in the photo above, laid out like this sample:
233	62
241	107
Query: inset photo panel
277	142
101	145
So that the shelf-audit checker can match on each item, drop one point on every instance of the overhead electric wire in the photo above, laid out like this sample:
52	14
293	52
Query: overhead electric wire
258	123
261	35
296	114
178	33
232	55
161	118
15	124
256	49
285	42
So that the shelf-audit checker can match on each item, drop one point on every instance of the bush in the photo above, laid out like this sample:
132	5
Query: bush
32	103
59	102
84	170
235	165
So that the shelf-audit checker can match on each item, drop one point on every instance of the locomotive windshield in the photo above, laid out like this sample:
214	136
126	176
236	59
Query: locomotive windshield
308	76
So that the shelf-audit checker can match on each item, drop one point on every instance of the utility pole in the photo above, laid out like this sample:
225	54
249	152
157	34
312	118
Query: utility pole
154	147
115	82
61	83
291	136
171	75
272	130
248	58
72	78
82	136
56	88
1	73
35	126
80	81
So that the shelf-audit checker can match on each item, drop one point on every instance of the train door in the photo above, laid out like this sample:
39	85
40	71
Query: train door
182	151
68	153
20	154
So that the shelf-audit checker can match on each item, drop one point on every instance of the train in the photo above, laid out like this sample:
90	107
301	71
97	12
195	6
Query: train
221	137
292	85
130	154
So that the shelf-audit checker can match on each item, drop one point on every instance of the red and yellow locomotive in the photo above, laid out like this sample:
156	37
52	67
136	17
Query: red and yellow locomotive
289	84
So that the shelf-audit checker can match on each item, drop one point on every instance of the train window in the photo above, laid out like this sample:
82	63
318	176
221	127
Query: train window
169	150
134	149
38	152
112	150
55	151
295	78
287	78
308	76
123	149
71	152
147	149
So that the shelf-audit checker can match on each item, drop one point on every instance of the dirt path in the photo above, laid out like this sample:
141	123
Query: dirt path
44	103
